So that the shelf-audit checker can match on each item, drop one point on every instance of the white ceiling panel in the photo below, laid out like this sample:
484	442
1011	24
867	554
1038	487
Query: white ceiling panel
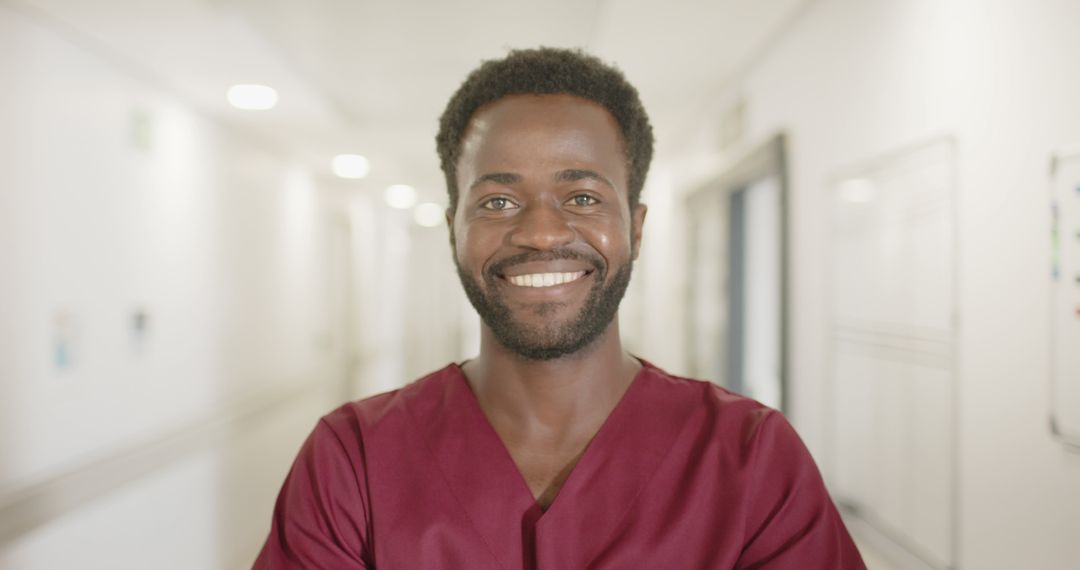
372	77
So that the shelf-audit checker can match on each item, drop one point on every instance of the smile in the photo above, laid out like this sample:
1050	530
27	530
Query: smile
545	279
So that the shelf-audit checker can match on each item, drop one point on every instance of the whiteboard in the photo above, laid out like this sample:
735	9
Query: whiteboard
1065	298
893	337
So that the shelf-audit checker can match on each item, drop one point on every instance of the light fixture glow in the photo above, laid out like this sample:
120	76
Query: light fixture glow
252	97
350	166
428	214
400	196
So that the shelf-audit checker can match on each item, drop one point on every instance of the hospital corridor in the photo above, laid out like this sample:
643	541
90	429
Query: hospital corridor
222	219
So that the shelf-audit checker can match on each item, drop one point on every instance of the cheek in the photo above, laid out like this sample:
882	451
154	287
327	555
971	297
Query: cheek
603	242
612	241
472	248
460	246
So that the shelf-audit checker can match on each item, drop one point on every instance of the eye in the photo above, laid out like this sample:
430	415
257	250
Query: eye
497	203
584	200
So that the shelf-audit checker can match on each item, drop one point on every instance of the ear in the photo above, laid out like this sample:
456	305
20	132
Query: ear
637	221
450	226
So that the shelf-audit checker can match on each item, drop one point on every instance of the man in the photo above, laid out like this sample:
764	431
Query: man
554	447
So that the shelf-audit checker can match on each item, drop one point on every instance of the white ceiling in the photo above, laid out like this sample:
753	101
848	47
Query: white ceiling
371	77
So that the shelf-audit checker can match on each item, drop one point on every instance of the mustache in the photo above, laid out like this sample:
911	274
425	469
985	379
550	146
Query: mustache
500	267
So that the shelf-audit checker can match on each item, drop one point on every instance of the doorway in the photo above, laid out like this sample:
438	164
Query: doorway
738	284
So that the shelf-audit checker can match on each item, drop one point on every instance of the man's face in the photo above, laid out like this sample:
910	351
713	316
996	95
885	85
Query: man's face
543	235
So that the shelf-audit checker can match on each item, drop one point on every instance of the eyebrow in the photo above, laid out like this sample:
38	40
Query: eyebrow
504	178
568	175
575	174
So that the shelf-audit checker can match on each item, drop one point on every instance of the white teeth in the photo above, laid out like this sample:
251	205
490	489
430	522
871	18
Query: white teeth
545	279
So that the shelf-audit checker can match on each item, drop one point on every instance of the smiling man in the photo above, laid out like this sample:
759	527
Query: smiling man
553	447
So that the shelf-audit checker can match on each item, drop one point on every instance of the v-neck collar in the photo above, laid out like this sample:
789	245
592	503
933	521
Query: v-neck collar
599	491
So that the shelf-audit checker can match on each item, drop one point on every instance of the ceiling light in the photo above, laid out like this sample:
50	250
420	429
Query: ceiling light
351	166
428	214
252	97
400	196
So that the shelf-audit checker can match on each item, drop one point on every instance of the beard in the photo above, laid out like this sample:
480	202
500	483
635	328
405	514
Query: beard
552	339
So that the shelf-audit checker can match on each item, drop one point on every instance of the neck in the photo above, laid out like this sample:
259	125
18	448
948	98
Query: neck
553	397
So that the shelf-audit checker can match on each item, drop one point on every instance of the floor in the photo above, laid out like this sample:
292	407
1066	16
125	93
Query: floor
878	551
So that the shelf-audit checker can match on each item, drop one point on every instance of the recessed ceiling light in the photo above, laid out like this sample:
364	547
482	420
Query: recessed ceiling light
252	97
351	166
400	196
428	214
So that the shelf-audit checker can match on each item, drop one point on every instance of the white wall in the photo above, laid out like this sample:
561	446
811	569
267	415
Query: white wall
410	312
852	80
117	197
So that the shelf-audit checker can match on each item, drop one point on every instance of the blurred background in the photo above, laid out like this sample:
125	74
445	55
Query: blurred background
219	219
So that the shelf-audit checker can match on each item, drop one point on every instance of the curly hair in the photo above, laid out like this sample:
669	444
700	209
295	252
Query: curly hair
548	71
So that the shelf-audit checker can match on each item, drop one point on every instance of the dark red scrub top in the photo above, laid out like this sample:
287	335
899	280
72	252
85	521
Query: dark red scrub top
683	474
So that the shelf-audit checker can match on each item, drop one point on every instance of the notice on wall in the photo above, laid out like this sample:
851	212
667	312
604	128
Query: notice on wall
66	340
892	372
1065	298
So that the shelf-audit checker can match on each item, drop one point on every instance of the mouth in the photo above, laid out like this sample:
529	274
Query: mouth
540	280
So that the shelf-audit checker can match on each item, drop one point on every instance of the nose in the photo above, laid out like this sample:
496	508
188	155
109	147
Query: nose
542	227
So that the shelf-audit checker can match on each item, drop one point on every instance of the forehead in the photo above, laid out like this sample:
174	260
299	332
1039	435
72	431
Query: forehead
521	111
524	131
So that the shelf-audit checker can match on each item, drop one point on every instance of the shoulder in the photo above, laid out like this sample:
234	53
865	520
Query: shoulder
323	516
389	410
789	519
719	411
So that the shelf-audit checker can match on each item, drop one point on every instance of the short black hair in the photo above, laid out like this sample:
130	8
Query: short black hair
548	71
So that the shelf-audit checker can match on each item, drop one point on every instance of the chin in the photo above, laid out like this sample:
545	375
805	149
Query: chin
549	342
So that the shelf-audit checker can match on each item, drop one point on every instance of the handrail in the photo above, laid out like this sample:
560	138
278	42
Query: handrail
29	506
